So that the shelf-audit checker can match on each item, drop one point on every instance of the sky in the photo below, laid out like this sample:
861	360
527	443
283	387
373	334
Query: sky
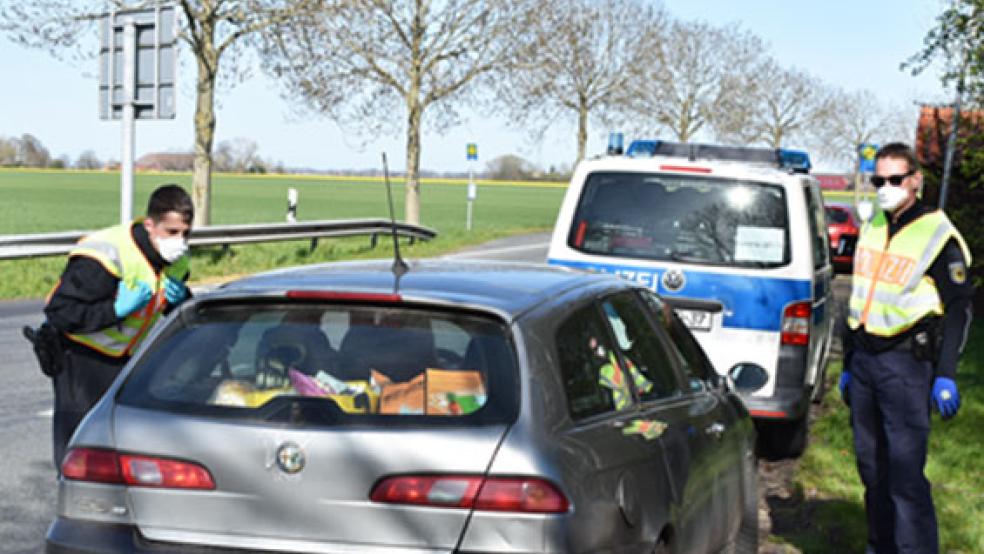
850	44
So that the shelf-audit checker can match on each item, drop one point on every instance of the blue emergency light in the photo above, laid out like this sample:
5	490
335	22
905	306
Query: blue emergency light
616	143
796	161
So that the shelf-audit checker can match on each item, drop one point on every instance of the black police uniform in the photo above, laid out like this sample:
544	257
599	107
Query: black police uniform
83	303
889	396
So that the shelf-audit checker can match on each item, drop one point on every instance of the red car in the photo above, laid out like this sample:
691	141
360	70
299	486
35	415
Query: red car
842	226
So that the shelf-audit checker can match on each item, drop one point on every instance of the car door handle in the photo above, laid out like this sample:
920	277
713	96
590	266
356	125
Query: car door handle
715	429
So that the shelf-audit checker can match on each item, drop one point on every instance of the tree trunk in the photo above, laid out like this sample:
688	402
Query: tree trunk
411	212
204	137
582	132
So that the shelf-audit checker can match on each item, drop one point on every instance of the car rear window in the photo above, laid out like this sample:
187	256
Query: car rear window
837	215
693	219
313	363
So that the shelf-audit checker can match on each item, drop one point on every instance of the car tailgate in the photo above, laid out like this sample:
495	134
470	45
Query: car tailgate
323	505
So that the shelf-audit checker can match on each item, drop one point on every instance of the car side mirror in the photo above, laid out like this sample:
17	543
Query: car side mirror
723	383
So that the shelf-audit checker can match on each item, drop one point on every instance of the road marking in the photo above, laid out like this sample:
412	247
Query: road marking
503	250
50	412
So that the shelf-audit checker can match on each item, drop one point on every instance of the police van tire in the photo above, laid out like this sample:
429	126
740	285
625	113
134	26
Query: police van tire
783	440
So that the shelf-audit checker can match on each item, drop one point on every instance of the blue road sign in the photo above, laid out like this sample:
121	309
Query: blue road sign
471	150
866	157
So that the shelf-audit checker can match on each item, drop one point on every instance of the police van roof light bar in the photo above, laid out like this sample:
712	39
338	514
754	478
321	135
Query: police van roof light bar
795	161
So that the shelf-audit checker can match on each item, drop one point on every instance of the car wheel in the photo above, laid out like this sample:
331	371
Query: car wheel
782	440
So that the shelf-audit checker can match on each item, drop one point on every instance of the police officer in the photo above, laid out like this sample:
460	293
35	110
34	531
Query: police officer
908	318
117	283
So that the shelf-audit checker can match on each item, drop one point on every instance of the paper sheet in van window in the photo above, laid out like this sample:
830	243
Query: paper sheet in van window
759	244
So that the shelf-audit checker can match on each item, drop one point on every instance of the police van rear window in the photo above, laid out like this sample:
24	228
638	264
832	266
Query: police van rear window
683	218
322	363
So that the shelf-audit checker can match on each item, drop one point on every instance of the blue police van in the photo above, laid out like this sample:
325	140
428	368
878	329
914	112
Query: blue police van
735	240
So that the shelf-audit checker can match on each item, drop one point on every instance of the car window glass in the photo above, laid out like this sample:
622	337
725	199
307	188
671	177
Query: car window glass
818	231
358	361
593	379
837	215
695	363
649	364
694	219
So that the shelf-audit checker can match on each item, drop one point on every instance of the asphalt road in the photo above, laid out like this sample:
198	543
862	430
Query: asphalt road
28	488
27	475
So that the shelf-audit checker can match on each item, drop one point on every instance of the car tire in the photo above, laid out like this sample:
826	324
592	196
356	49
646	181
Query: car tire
783	440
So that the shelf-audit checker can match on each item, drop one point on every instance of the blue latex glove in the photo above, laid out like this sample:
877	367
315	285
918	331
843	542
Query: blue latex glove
946	397
175	291
130	300
845	382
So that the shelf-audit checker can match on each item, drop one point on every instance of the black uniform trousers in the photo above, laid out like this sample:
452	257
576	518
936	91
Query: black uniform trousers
889	397
84	378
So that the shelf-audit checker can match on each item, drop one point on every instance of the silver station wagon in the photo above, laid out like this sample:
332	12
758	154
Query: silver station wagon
460	407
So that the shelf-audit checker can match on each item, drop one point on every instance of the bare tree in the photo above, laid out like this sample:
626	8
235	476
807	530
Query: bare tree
580	58
8	152
31	153
694	77
511	167
362	62
215	30
784	104
857	118
239	154
88	160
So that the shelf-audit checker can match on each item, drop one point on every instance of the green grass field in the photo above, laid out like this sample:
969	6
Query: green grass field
829	491
47	201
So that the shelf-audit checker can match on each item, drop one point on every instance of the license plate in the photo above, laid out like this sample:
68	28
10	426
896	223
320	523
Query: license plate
697	320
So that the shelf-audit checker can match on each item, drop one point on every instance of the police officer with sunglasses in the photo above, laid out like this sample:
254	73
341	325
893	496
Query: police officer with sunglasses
908	318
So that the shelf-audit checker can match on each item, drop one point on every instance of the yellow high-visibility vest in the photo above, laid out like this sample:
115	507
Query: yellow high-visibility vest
890	291
116	250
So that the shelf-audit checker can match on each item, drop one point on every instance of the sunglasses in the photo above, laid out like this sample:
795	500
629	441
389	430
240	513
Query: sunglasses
878	181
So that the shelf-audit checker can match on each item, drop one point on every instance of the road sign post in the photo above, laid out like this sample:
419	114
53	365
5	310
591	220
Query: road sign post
866	164
471	152
137	69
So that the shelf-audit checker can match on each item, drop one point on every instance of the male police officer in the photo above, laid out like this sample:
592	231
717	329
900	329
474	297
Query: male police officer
117	283
908	316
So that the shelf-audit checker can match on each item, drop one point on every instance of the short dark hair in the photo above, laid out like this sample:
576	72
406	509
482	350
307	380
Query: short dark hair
899	151
170	198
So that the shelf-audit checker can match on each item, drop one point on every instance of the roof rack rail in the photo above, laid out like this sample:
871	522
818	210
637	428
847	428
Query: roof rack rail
795	161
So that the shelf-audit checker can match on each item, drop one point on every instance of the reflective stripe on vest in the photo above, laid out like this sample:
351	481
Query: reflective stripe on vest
890	290
611	377
116	250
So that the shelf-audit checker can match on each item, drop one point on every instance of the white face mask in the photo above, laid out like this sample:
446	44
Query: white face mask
172	248
891	197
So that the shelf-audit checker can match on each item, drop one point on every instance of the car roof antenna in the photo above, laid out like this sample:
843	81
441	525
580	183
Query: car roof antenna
399	266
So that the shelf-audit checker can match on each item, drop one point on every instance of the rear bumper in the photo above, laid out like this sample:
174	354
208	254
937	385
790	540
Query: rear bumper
790	399
784	405
71	536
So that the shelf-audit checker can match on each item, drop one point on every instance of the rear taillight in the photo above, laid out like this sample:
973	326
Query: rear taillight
796	324
91	464
513	494
579	237
107	466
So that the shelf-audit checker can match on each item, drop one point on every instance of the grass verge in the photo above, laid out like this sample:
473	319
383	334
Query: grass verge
828	500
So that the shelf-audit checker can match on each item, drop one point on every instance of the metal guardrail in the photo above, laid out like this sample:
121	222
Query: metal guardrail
54	244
